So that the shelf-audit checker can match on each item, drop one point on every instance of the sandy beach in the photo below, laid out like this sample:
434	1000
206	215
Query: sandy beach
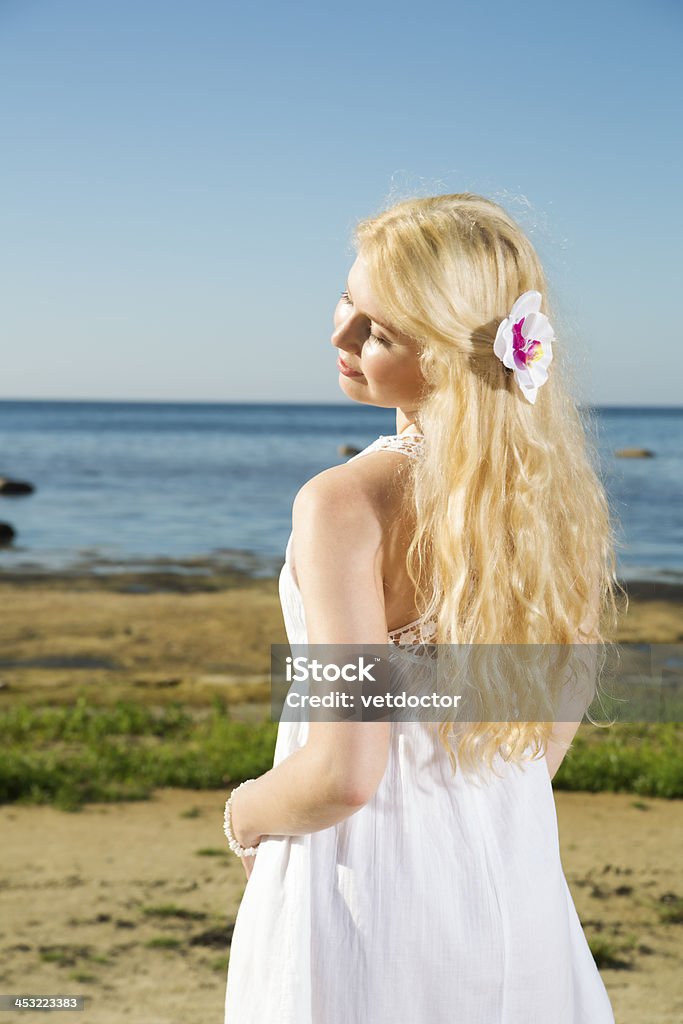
119	904
132	904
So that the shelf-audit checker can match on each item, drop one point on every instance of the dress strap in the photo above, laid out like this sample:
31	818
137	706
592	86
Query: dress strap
409	444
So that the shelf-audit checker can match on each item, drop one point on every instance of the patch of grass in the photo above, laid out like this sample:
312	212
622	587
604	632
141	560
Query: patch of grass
215	937
163	942
83	722
171	910
607	953
671	911
54	956
641	758
82	976
211	851
194	812
70	756
64	955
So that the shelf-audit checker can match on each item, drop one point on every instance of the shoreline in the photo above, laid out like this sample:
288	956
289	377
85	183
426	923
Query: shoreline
244	567
655	607
230	566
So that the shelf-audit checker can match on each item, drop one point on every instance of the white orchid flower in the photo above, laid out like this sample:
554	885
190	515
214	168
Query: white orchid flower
524	343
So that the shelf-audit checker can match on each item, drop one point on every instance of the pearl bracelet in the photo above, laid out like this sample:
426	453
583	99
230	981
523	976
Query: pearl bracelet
241	851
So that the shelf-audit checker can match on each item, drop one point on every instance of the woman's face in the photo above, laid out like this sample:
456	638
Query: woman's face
388	372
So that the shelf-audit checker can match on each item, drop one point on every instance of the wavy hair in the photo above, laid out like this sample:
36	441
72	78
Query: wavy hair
514	541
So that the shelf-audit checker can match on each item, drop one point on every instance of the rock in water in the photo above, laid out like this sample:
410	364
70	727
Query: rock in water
8	486
7	533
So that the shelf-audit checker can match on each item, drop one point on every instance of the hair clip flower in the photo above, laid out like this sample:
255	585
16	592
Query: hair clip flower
524	343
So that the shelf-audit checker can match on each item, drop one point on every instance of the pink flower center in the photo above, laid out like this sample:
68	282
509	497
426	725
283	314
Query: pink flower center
524	350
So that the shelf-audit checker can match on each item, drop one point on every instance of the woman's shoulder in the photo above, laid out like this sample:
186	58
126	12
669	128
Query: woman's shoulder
374	482
354	509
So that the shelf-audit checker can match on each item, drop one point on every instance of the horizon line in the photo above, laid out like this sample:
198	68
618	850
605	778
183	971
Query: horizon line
234	402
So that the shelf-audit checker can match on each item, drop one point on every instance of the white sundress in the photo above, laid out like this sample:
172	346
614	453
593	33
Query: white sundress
443	900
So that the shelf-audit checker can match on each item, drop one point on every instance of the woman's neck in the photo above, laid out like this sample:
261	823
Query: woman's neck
406	423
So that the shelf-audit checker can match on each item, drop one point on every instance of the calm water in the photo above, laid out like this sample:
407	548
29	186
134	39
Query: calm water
140	481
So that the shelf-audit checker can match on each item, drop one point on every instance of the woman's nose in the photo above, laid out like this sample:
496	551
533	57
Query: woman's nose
348	331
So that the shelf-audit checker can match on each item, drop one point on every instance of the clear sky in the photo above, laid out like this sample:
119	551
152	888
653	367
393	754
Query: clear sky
179	180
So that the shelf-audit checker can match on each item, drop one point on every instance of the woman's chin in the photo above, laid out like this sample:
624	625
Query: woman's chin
352	382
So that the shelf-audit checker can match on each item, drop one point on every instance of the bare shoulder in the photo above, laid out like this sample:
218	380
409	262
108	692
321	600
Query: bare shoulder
341	523
350	512
372	484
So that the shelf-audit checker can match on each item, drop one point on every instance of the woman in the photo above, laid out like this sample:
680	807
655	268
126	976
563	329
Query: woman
405	873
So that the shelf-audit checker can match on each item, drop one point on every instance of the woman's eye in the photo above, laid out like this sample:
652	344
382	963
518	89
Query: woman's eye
347	299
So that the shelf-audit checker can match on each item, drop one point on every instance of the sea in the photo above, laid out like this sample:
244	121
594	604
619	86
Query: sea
139	485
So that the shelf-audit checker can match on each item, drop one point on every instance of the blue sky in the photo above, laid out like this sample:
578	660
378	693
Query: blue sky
179	181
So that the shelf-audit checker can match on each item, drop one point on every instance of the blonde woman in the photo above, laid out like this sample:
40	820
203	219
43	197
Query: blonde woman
400	872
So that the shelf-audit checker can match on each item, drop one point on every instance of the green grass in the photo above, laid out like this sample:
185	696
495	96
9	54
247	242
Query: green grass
163	942
672	911
607	953
646	759
82	976
65	954
171	910
71	756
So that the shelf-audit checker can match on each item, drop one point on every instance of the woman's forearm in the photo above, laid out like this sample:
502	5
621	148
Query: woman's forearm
297	796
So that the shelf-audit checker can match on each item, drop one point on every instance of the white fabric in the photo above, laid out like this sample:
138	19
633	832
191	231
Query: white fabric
441	901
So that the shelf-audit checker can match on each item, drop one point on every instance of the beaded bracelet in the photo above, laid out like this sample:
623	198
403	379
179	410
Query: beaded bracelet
241	851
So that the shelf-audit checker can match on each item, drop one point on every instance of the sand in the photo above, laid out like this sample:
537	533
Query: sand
118	902
75	889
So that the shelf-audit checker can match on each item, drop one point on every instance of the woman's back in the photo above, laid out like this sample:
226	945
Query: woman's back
380	470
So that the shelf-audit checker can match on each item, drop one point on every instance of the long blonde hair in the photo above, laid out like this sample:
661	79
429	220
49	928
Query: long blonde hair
514	541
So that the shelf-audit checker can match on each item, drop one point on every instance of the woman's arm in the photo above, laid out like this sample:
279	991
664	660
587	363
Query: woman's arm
337	541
